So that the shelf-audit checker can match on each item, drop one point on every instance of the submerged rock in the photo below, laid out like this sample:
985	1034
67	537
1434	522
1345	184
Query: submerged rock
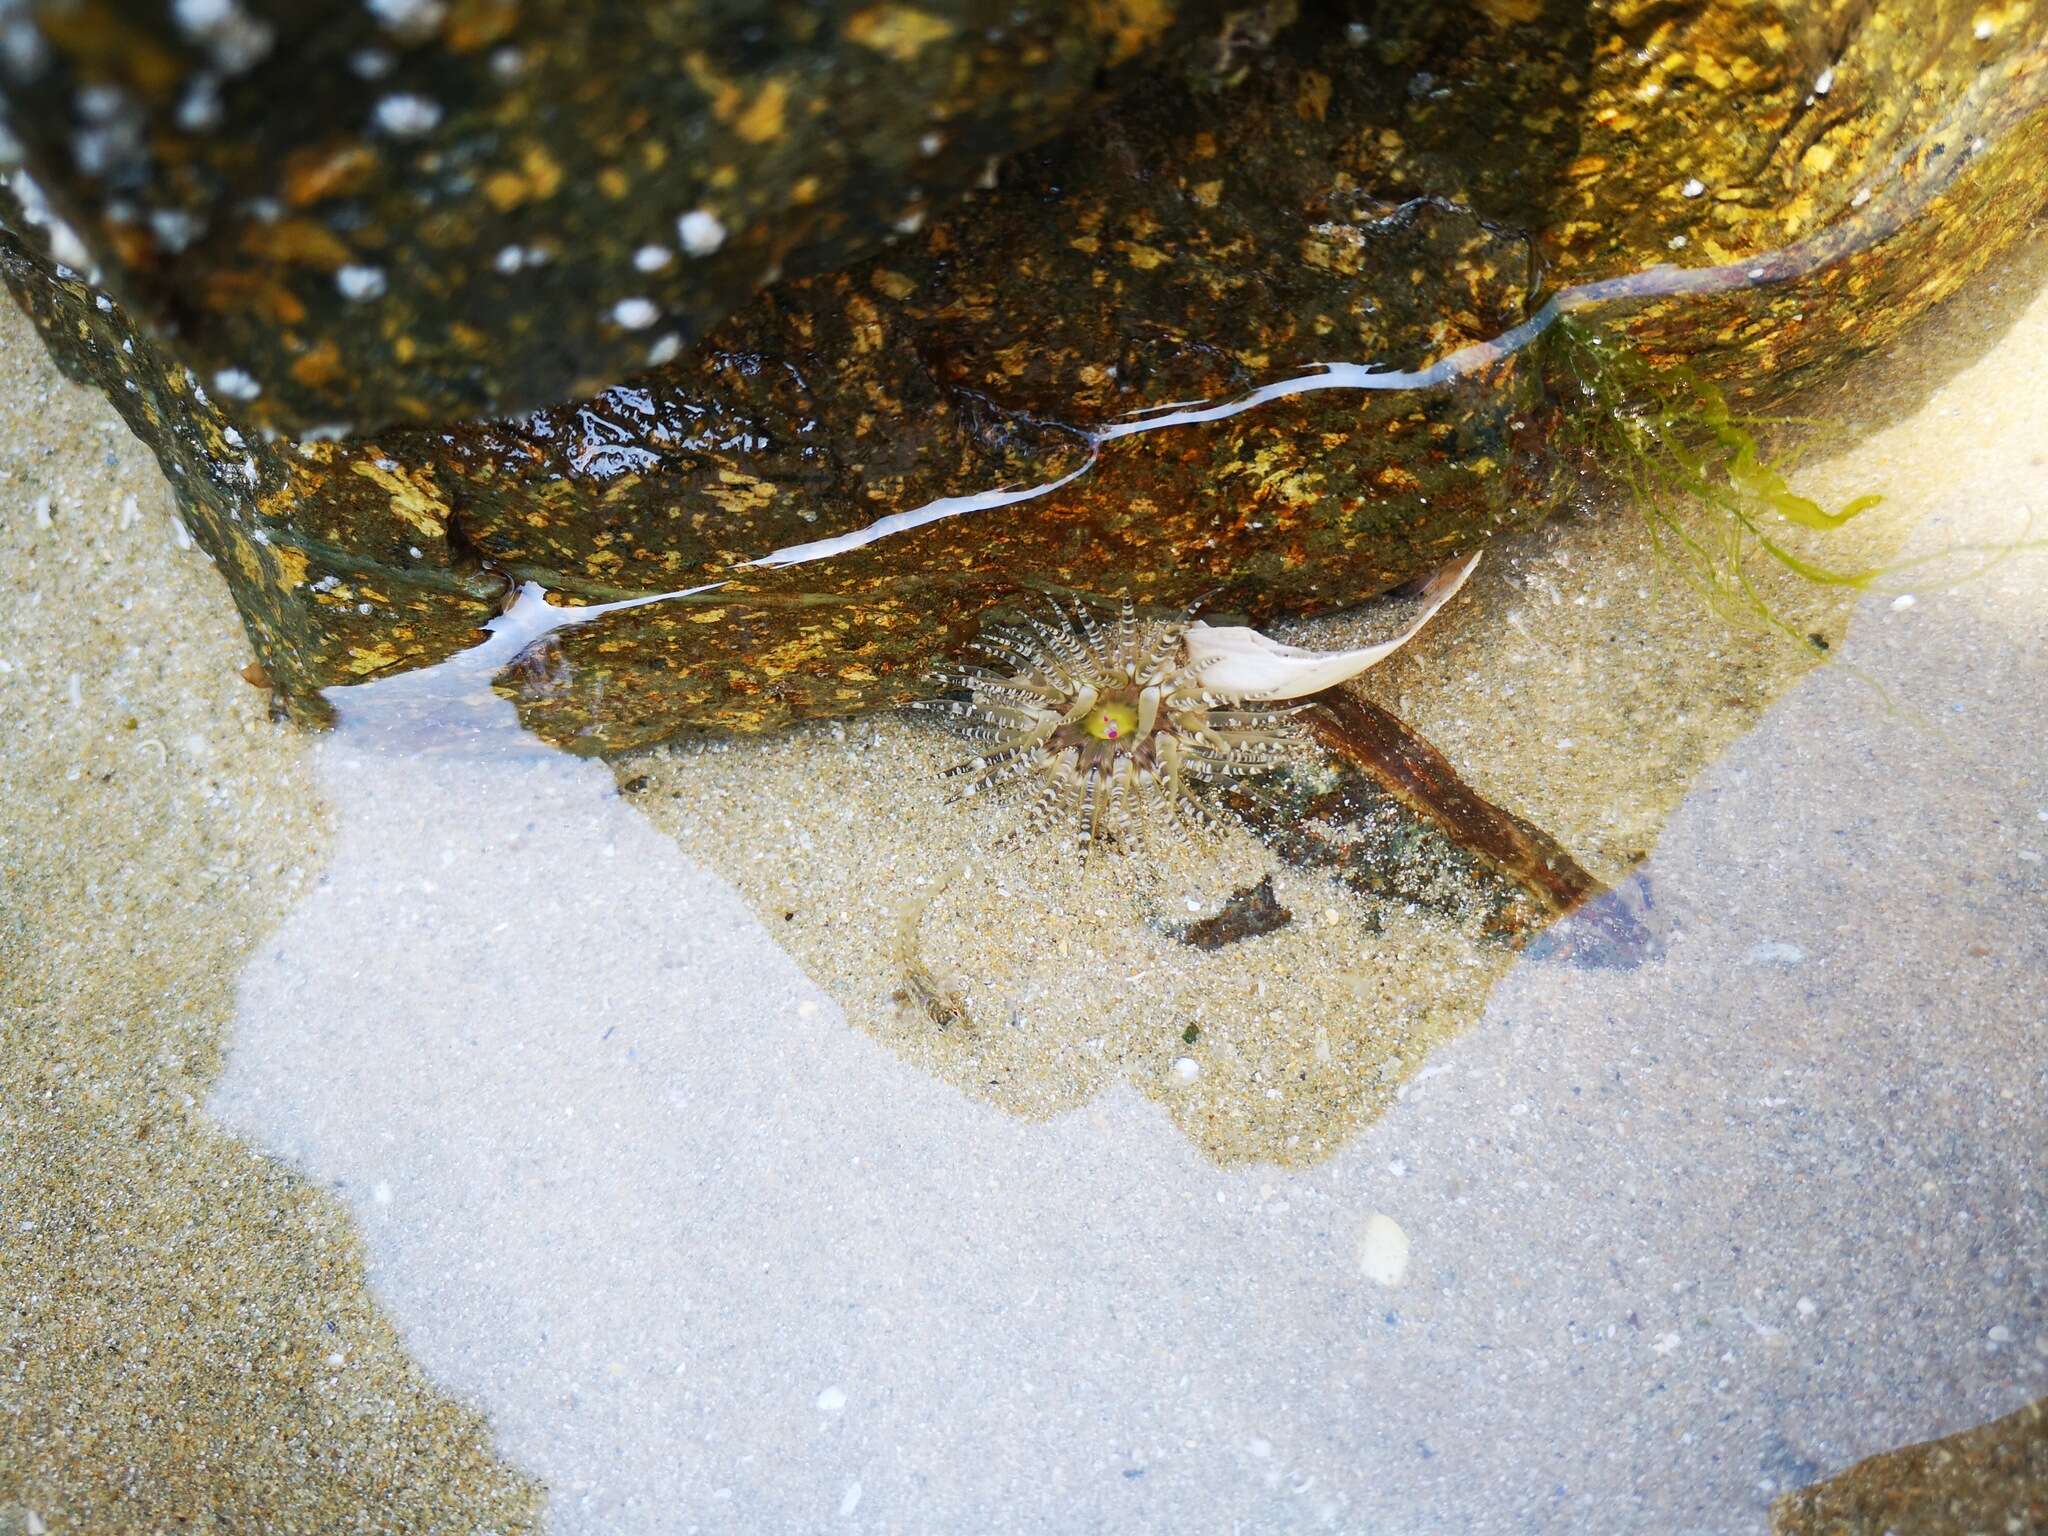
1258	331
1991	1478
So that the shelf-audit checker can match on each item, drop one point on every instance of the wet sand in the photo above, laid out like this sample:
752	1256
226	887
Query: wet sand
193	1327
1578	681
189	1341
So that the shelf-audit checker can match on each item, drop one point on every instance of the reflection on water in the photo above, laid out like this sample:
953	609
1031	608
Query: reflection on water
1676	1239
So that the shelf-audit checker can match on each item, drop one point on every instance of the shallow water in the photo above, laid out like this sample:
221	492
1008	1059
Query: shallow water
545	1135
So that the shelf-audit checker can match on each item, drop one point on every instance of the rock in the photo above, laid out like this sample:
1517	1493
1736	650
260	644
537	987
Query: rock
1252	910
1992	1478
850	472
422	209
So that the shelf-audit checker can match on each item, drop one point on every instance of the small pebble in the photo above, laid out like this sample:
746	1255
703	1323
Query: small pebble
1694	187
831	1400
1187	1069
1383	1250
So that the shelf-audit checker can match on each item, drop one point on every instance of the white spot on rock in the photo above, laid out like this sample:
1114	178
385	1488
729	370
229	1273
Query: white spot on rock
1187	1069
636	314
408	18
405	115
174	228
701	231
201	16
361	283
237	384
1694	187
850	1500
665	350
652	258
832	1400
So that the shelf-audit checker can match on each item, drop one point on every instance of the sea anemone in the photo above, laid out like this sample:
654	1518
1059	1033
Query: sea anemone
1104	720
1110	721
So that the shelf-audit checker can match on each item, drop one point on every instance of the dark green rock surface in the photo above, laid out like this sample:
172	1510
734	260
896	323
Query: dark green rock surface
419	209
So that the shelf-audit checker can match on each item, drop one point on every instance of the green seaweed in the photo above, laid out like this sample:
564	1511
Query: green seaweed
1670	436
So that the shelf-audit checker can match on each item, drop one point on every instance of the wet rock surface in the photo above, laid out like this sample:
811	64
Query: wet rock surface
1087	376
422	209
1991	1478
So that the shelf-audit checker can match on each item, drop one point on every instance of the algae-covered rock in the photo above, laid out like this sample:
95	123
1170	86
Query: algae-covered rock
1262	331
1991	1478
417	209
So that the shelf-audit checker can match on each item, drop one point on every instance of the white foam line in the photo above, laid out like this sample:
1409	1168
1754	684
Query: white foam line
916	517
532	616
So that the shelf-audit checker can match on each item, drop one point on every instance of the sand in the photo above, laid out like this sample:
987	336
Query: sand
1579	681
579	1141
188	1337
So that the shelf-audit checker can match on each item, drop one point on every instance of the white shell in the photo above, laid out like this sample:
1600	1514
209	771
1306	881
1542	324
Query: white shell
1239	663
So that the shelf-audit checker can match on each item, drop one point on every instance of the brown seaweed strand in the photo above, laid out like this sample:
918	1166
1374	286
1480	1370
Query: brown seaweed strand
1422	780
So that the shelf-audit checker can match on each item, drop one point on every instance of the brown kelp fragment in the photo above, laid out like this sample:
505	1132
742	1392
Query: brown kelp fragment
1991	1478
1250	911
1367	737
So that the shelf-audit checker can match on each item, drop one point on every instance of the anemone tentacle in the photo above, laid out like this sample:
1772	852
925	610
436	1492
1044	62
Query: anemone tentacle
1110	733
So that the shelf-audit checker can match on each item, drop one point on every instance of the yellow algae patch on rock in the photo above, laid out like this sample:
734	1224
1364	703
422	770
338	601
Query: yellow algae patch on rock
413	503
900	31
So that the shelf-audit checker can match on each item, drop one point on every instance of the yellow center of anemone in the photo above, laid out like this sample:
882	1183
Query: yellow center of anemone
1110	722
